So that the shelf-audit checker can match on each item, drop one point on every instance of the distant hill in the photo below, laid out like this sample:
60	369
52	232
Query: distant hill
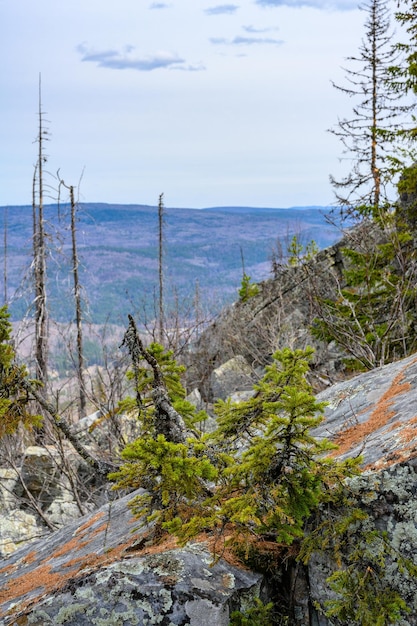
119	255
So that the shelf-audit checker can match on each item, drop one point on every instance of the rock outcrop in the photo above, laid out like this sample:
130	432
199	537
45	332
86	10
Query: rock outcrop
279	315
374	416
103	569
44	487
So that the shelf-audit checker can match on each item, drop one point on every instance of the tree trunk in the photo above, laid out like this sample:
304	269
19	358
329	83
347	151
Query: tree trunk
161	268
168	421
78	310
39	253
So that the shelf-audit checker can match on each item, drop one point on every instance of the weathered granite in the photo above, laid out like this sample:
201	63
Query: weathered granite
234	375
99	570
43	491
374	415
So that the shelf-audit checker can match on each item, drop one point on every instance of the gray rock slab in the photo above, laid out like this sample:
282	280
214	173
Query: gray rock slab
100	570
374	415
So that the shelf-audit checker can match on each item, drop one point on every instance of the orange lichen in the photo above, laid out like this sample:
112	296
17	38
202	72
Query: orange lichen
43	578
75	543
378	418
29	558
70	546
99	529
410	432
89	523
8	568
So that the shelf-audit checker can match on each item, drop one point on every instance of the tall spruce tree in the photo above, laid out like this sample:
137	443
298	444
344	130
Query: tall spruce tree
407	72
371	137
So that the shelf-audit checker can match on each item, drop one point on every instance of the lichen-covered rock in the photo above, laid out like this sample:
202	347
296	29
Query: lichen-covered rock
107	431
46	490
101	570
389	499
374	416
234	375
17	528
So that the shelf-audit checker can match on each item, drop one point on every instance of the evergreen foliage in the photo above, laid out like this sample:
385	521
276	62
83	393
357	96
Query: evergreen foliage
373	317
247	289
15	409
258	615
298	254
262	477
272	472
374	136
406	73
366	581
175	473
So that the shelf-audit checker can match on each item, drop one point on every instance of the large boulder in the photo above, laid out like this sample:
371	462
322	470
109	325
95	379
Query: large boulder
102	570
44	490
373	416
105	569
234	375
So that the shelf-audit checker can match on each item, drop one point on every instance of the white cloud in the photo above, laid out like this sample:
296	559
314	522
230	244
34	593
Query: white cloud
222	9
252	29
334	5
245	41
125	60
250	129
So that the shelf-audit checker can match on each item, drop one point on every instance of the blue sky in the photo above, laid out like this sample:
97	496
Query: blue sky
211	103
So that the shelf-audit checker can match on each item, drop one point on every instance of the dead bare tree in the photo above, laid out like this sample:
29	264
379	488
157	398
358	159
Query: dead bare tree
77	298
39	253
168	421
5	255
161	266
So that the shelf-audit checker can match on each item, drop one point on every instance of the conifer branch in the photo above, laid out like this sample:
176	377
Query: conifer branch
168	421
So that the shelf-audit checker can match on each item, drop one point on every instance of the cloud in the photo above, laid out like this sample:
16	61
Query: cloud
159	5
222	9
335	5
124	60
245	41
253	30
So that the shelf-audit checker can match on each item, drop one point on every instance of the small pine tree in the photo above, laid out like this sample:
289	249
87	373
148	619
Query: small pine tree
274	472
262	475
175	473
248	289
299	254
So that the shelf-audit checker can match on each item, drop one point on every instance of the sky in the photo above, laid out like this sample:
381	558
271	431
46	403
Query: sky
211	103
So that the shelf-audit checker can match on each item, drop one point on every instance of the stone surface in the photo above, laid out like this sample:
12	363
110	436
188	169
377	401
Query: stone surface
389	497
99	570
16	529
234	375
374	415
45	490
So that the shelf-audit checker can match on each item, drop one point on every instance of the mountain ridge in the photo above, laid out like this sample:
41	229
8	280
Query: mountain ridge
118	249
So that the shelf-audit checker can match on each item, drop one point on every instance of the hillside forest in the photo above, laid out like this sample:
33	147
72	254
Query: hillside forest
257	479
